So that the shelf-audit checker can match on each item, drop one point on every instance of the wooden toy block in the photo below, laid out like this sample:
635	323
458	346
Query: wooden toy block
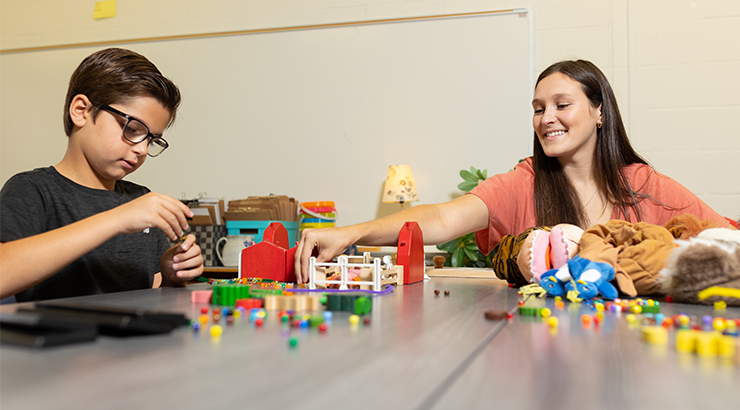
271	258
227	294
411	253
359	304
276	234
297	303
263	260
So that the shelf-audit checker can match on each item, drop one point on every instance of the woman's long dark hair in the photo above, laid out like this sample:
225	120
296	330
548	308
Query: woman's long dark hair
556	200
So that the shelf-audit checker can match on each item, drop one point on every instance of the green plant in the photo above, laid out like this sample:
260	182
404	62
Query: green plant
463	250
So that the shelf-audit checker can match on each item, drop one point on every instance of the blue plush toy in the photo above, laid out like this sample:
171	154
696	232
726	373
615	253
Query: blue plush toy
589	278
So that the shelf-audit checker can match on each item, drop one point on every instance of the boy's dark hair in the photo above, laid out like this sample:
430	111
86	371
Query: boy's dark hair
114	75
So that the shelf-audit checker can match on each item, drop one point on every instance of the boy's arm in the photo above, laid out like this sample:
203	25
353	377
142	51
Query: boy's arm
29	261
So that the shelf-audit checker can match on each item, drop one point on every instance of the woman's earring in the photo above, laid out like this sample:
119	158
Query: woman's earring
598	124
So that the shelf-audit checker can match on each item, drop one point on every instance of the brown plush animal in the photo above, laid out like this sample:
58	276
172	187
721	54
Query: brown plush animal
686	226
712	258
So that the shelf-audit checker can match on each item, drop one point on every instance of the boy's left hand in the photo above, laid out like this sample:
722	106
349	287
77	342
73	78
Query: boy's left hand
181	263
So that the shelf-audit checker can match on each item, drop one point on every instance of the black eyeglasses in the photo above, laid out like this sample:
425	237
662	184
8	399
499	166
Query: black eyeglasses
136	131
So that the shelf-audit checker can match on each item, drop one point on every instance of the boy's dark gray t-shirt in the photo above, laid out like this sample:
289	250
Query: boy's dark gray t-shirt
41	200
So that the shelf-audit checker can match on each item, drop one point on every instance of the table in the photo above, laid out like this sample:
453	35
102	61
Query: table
420	351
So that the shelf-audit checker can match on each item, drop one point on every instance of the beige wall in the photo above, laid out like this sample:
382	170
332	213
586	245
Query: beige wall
673	63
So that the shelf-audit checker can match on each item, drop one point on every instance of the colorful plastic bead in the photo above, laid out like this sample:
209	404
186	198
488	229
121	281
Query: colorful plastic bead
354	319
719	324
586	319
552	321
545	312
323	327
204	310
293	342
720	305
216	330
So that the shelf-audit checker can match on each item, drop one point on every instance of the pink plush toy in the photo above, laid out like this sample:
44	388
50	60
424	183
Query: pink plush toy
544	250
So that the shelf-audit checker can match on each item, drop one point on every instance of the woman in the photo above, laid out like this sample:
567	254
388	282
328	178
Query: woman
583	172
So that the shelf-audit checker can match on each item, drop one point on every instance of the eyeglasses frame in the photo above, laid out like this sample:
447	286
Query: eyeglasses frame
149	136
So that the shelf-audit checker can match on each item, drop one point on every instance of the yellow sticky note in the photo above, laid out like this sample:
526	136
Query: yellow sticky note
104	9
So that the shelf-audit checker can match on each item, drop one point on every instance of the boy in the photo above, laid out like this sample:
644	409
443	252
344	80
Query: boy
78	228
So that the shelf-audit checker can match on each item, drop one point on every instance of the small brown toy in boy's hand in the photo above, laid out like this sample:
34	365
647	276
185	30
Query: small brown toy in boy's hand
710	259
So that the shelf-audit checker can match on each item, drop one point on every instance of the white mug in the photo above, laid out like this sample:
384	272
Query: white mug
233	248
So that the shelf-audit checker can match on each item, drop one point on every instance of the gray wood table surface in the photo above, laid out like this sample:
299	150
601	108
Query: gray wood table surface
415	342
531	366
420	351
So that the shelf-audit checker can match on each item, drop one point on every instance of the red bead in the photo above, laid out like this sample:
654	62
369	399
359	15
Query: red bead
436	291
216	311
511	285
204	310
259	322
323	327
366	320
669	299
521	303
510	315
447	293
597	320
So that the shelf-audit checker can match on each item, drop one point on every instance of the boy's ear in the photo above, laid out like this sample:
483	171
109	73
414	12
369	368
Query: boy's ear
79	110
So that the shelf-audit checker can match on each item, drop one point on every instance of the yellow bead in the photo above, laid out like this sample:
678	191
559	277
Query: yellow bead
545	312
552	321
651	302
216	330
719	324
600	315
636	309
631	319
354	319
237	314
558	299
720	305
599	307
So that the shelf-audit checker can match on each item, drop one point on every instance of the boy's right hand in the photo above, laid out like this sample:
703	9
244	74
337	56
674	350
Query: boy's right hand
154	210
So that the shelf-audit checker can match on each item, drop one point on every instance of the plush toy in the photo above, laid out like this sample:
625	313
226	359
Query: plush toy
709	260
586	277
543	250
686	226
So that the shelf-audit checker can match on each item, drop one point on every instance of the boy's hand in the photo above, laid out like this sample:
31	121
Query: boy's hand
181	263
153	210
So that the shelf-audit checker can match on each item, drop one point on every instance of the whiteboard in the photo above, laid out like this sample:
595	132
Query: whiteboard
316	114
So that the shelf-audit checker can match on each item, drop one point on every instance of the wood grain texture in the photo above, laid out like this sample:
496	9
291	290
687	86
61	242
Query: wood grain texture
415	341
529	367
